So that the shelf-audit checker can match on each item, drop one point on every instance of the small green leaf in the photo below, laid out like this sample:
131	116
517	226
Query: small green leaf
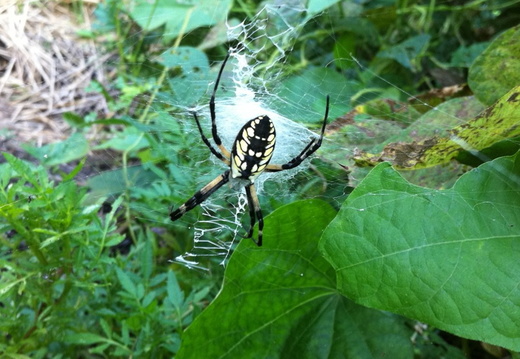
8	283
75	170
115	240
106	327
316	6
126	282
22	168
100	349
201	294
139	291
344	46
407	51
84	338
175	294
148	299
73	148
465	56
74	119
125	334
58	235
147	257
130	137
448	258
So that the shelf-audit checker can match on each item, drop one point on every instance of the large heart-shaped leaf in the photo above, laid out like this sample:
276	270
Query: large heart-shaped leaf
450	258
280	301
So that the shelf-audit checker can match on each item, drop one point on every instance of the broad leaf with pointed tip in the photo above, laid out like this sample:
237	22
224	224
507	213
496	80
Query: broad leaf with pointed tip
449	258
280	301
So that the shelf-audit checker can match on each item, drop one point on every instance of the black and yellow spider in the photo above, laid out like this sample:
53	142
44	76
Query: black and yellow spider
249	157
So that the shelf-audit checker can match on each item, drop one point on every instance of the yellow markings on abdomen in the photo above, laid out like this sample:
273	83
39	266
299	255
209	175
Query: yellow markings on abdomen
253	148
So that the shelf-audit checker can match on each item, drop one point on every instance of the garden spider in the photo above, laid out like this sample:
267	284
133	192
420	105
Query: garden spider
249	157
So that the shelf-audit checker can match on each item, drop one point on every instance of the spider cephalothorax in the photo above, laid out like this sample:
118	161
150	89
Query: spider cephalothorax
249	157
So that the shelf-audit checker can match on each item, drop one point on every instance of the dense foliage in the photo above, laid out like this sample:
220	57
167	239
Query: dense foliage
430	87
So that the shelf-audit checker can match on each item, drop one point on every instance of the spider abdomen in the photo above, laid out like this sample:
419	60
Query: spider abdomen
253	148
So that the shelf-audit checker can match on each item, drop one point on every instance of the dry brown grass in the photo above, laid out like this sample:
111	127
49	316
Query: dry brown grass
44	70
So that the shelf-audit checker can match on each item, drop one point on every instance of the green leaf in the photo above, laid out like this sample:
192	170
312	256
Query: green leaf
495	124
497	69
113	182
280	301
74	119
304	95
316	6
75	170
8	283
344	46
73	148
139	291
58	236
448	258
465	56
192	84
147	257
91	338
190	59
22	168
106	327
407	51
130	137
179	17
84	338
126	282
175	294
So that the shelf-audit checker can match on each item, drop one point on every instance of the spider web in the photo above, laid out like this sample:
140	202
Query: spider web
255	82
253	76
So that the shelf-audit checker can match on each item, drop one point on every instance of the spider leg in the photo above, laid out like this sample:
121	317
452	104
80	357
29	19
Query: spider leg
200	196
224	158
214	132
255	212
306	152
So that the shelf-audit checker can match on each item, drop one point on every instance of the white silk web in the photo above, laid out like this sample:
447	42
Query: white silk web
261	46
